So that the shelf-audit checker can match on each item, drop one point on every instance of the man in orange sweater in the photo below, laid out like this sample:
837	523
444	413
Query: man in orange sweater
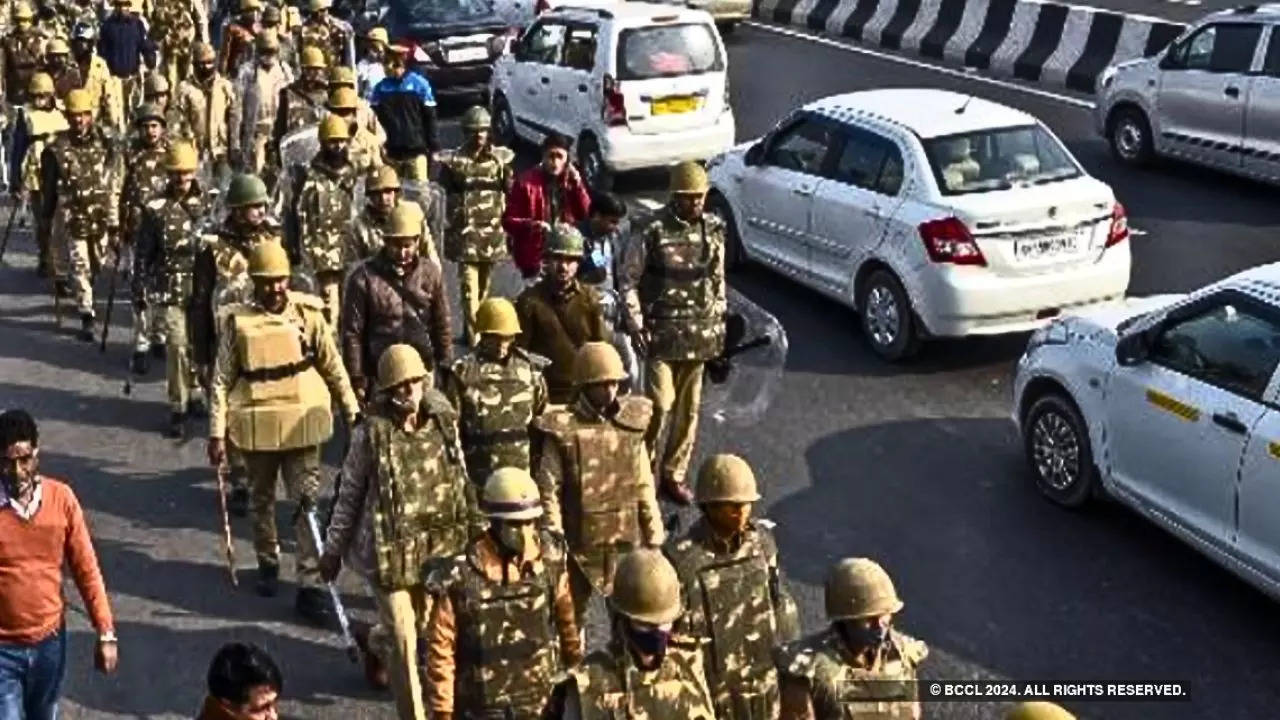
43	527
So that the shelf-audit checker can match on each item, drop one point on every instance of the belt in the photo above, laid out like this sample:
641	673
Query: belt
279	372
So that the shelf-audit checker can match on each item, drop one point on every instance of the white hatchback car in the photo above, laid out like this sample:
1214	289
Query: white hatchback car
1172	406
933	214
634	85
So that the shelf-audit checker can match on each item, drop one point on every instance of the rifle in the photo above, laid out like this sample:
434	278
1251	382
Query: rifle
352	650
719	367
8	230
226	521
111	299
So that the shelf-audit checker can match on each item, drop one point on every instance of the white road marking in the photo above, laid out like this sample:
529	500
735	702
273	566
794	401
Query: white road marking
1190	3
1135	232
967	74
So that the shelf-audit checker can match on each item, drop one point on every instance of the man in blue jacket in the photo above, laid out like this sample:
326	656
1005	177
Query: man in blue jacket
406	106
124	43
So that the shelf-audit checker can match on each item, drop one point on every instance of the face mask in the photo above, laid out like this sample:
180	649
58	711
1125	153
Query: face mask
864	637
513	539
335	156
649	641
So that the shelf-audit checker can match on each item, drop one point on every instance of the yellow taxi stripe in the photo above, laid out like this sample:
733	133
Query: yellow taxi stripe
1173	405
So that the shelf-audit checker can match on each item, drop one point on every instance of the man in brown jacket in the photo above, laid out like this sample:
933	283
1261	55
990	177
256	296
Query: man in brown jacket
395	297
559	314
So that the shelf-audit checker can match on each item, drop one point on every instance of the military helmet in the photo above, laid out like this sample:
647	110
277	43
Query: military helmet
246	190
312	57
646	588
78	101
41	84
378	34
57	46
250	5
148	111
564	240
342	75
382	177
268	259
181	158
405	220
271	14
204	52
497	316
476	118
726	478
689	178
23	11
511	494
859	588
343	98
316	5
1039	711
334	128
267	41
399	363
597	362
155	84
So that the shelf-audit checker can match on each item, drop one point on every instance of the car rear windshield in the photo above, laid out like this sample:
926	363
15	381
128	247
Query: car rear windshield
668	51
439	12
998	160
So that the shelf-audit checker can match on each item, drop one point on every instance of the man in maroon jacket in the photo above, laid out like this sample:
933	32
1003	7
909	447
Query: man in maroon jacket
549	193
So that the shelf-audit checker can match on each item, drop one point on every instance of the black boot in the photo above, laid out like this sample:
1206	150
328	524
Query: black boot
268	580
139	364
196	408
157	350
86	327
177	425
238	503
42	269
62	288
312	606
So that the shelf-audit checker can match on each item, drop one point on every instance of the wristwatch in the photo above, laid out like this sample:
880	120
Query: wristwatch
108	637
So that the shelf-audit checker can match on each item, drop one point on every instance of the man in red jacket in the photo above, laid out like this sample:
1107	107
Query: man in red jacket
549	193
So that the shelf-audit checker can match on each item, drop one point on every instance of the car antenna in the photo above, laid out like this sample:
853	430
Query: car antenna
960	110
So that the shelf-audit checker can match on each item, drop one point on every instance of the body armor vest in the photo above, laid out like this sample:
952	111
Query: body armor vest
475	224
679	289
324	216
495	408
888	693
280	401
306	107
610	687
178	220
85	182
42	127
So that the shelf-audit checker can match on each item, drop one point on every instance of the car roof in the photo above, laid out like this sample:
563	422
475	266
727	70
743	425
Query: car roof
1262	282
926	112
1266	12
630	13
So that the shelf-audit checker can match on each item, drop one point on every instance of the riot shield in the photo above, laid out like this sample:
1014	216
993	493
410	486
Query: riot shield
297	150
742	381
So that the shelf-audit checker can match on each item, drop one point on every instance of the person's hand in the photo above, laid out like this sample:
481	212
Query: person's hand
217	451
329	566
106	656
571	174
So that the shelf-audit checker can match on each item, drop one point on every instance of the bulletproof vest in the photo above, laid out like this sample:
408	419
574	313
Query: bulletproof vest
279	401
23	55
146	165
306	107
508	650
478	206
172	24
679	289
731	603
44	123
611	687
421	507
325	212
86	169
495	409
178	219
888	693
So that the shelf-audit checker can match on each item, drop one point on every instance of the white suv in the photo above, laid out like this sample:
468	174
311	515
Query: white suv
634	84
933	214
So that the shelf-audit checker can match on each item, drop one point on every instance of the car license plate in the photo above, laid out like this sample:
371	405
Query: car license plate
467	54
675	105
1043	248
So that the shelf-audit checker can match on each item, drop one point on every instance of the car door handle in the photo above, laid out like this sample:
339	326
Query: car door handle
582	87
1230	422
545	81
562	98
1232	92
803	191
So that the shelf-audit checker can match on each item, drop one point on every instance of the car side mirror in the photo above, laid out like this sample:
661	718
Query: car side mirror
755	154
1132	349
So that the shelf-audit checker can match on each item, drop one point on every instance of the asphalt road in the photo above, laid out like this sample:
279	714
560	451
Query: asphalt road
915	465
1183	11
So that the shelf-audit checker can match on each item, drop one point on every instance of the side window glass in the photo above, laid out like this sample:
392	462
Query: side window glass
869	161
1271	65
891	175
1230	346
543	44
803	148
1233	49
580	48
1198	51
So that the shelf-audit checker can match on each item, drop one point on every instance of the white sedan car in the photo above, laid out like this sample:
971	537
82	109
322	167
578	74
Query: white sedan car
1172	406
933	214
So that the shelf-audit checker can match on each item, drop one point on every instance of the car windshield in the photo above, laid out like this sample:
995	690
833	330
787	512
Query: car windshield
436	12
999	160
668	51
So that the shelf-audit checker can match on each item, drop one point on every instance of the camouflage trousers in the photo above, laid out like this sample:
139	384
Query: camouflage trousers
300	470
49	257
86	254
179	372
402	626
675	387
473	285
149	326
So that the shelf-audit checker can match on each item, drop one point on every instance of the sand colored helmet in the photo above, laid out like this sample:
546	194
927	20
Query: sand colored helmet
312	57
78	102
383	177
41	84
250	5
155	84
268	259
267	41
318	5
57	46
497	316
726	478
476	118
398	364
271	15
405	221
564	241
343	98
859	588
334	128
1039	711
24	11
181	158
204	52
246	190
342	76
689	178
646	588
511	494
378	35
148	111
597	362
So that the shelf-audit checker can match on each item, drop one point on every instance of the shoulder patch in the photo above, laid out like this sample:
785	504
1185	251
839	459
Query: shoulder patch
634	413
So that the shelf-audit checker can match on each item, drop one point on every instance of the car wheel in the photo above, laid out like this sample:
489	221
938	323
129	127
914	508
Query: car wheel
735	258
504	123
595	173
887	320
1131	137
1056	442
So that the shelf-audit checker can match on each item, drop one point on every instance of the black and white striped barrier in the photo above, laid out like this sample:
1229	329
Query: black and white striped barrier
1043	42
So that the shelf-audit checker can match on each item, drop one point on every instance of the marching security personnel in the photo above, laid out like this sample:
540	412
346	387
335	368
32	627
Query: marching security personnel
261	86
217	132
502	625
175	26
859	666
645	671
343	76
272	21
302	102
40	123
732	589
476	178
498	390
404	504
95	77
1039	710
145	179
164	258
381	192
365	148
672	278
321	30
182	119
238	39
66	77
80	183
594	474
20	54
324	211
274	381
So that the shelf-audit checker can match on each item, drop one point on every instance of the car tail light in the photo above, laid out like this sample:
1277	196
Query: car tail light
1119	231
614	107
949	241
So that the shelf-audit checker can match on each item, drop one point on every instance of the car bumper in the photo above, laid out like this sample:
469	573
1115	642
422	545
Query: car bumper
957	301
624	150
456	79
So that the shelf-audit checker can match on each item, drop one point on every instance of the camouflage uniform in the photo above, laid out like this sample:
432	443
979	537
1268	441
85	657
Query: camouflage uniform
42	126
218	104
175	26
261	97
66	15
609	685
476	182
298	107
497	400
328	35
145	180
20	55
839	687
325	213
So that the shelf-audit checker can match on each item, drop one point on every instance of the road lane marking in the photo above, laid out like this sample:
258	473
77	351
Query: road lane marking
965	74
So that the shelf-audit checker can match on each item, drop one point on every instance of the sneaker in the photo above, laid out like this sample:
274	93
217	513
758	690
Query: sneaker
177	425
268	580
238	503
139	364
312	606
196	408
86	327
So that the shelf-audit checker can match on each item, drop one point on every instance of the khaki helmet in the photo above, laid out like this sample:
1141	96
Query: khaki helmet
312	57
511	494
78	102
689	178
497	316
383	177
204	52
399	363
564	241
334	128
41	84
405	221
148	111
318	5
268	259
597	362
859	588
246	190
24	11
250	5
271	15
57	46
155	84
341	75
476	118
1039	710
343	98
726	478
646	588
378	35
182	158
267	41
